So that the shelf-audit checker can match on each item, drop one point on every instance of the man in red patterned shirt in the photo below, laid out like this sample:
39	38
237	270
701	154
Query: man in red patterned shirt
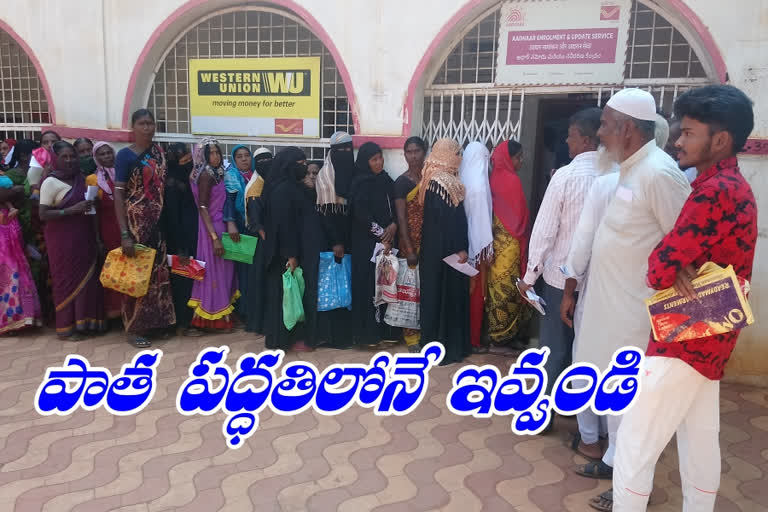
680	386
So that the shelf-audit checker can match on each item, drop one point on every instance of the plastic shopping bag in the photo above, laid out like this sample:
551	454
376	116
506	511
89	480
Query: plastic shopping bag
406	313
386	279
293	292
129	276
334	282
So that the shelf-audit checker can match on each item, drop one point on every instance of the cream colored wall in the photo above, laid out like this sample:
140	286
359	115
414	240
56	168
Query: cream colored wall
381	43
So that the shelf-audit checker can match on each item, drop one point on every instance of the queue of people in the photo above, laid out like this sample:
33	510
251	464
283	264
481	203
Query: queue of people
623	219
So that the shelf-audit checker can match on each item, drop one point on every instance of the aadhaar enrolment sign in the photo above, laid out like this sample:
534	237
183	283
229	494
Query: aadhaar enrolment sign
267	97
560	42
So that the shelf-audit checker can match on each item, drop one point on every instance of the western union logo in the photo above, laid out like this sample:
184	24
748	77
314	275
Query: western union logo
254	83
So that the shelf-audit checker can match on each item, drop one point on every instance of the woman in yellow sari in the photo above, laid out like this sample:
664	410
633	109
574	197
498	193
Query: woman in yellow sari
507	313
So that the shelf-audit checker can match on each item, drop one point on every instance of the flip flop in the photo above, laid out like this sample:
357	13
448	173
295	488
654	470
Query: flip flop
598	470
603	502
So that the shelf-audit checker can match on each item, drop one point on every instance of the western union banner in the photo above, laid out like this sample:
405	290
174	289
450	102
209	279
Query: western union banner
273	97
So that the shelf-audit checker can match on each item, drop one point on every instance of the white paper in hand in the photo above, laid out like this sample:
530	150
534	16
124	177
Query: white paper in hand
90	195
464	268
532	298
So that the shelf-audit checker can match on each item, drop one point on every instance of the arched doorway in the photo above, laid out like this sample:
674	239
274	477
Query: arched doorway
24	107
245	32
462	101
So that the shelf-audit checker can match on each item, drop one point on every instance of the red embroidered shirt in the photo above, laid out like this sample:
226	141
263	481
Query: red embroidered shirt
718	223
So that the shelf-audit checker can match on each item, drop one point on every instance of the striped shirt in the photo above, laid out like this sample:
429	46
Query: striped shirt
557	219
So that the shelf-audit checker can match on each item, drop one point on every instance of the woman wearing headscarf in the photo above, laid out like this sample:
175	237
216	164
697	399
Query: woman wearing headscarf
74	247
254	301
333	186
478	205
239	173
182	214
410	215
506	311
213	298
444	290
140	179
282	198
104	178
373	221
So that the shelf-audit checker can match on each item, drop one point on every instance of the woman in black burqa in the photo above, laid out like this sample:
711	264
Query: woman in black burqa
373	221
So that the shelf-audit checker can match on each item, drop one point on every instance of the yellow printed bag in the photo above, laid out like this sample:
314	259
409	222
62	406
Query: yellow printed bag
129	276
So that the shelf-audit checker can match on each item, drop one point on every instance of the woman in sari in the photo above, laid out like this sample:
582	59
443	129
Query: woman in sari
444	290
282	207
31	226
104	178
213	298
373	221
74	248
410	216
506	311
254	302
19	303
478	205
239	173
181	213
140	171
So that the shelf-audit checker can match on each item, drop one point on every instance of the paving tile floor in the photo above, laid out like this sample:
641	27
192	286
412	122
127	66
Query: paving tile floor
430	460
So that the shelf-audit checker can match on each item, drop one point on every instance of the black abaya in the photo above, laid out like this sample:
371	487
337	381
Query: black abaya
444	290
254	302
182	215
371	203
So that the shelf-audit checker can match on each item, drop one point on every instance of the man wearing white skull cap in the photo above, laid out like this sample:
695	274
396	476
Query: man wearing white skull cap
651	192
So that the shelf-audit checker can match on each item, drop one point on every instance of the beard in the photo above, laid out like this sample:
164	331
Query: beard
606	160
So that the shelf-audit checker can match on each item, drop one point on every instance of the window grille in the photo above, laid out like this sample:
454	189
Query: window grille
23	104
245	32
463	99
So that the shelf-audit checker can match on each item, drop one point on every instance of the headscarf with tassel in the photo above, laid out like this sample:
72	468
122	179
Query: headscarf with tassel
440	174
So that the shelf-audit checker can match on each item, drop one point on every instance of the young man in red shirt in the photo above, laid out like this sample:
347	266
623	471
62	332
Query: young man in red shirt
681	381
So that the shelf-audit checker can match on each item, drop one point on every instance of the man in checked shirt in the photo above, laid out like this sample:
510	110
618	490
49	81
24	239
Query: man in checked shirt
680	386
552	232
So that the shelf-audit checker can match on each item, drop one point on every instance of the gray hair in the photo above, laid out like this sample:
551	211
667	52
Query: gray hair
661	131
646	128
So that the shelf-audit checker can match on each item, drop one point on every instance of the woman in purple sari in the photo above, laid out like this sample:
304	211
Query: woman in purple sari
214	297
74	247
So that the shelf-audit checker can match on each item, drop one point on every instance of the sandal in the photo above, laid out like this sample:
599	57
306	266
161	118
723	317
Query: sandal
192	333
141	342
480	350
575	444
603	502
598	470
72	337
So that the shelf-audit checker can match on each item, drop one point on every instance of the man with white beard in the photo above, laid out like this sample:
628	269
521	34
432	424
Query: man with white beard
649	194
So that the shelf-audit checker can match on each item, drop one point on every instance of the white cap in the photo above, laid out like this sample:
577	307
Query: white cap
635	103
262	151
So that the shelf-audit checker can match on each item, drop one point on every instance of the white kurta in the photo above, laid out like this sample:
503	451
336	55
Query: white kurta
650	194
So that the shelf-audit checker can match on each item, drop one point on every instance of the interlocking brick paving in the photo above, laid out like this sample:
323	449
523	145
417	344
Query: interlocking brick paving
159	460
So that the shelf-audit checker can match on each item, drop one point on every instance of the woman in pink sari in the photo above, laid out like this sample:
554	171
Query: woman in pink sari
74	247
19	303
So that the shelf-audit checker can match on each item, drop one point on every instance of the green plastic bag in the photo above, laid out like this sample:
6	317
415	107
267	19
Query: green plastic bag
243	251
293	292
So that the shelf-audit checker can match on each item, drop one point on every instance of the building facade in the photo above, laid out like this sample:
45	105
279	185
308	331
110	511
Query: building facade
388	70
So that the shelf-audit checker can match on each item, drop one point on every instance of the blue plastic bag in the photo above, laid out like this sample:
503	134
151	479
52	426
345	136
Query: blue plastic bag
334	282
293	292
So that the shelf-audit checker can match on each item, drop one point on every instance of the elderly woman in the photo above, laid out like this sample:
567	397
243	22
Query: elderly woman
140	171
74	247
214	297
444	290
104	178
